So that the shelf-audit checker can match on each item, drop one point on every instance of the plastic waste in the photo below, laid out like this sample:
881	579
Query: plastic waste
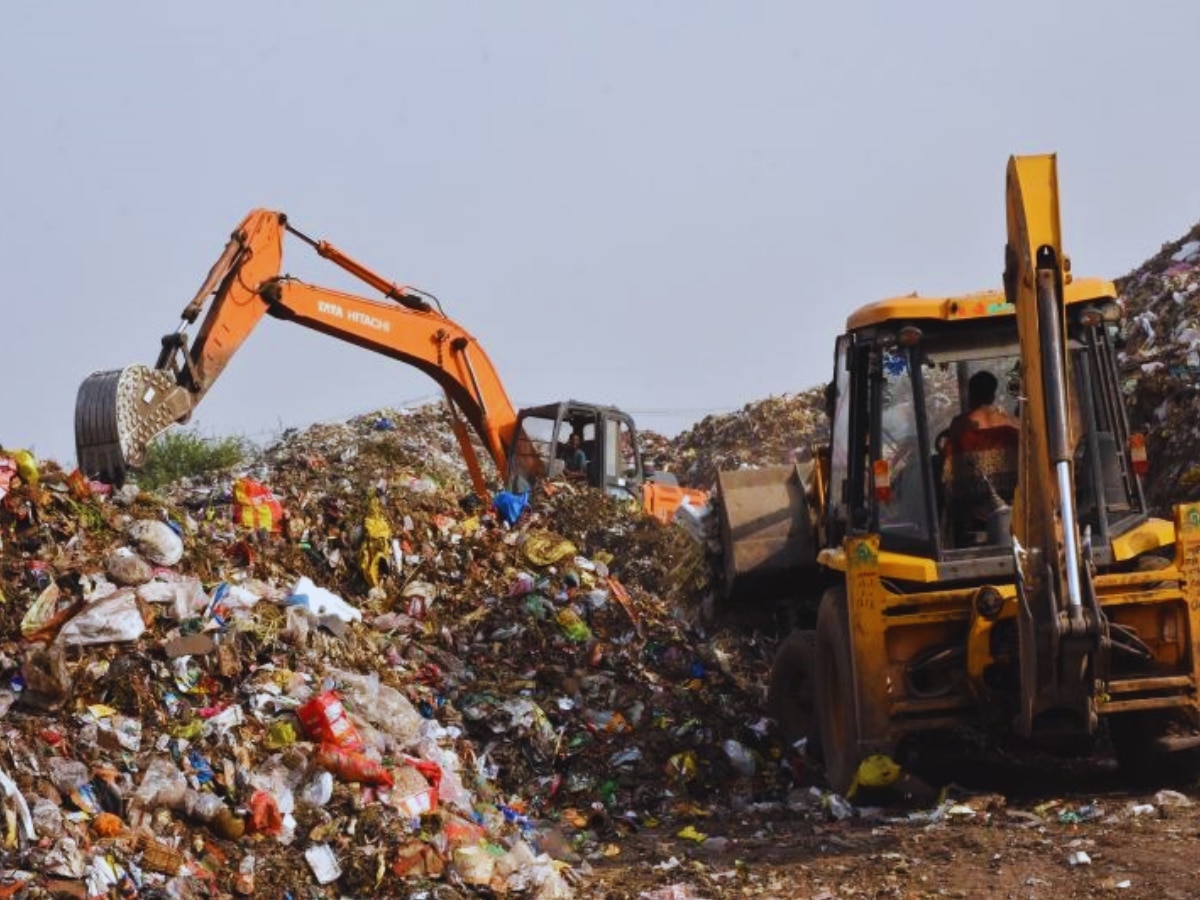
380	704
163	784
44	612
265	817
243	882
740	756
47	818
14	794
318	790
67	774
323	862
112	619
47	680
545	549
572	625
838	806
156	541
325	718
125	567
321	602
27	467
351	766
509	506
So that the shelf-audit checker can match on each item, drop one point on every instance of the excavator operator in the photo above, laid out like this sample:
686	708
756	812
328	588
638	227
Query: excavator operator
576	460
981	457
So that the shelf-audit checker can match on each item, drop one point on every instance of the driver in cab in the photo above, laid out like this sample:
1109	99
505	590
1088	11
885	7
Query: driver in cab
576	461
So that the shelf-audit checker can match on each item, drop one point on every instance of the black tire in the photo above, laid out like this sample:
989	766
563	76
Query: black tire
1141	763
790	688
836	703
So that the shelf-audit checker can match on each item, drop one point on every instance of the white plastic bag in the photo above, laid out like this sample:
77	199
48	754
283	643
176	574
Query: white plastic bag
321	602
157	541
113	619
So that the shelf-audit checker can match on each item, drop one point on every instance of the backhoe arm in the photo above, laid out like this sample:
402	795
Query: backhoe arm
119	412
1059	623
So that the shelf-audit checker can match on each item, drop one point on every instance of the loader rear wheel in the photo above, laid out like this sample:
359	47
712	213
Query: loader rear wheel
836	701
1137	740
790	689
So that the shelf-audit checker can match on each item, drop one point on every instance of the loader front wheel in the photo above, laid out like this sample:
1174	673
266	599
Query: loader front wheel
836	702
790	689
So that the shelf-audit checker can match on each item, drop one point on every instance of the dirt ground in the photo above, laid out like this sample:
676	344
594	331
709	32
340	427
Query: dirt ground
1019	833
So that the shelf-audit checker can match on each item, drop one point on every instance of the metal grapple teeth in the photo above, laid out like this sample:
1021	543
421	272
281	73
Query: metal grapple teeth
118	413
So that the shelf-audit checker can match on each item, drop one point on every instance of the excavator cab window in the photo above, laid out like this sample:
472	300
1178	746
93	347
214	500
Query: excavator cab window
530	460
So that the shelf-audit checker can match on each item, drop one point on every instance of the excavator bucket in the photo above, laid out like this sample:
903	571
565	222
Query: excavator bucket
118	413
766	530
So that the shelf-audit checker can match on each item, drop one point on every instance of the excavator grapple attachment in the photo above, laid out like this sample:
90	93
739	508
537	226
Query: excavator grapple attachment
118	413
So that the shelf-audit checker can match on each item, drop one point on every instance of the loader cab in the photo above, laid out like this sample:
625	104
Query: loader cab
608	440
900	378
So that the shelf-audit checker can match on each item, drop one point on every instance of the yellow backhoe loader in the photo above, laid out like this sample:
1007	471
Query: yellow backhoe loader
953	562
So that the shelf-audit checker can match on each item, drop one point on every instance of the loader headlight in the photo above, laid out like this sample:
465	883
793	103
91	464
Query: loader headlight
989	602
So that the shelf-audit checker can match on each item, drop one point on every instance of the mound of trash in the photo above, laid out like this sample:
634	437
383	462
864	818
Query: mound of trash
768	432
335	672
1160	361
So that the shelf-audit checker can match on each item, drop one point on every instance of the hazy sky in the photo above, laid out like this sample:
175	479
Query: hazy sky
668	206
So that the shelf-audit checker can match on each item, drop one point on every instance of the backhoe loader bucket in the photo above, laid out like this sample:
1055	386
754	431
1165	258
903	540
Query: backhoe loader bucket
118	413
766	530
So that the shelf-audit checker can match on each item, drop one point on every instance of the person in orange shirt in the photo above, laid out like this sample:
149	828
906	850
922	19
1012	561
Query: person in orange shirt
982	411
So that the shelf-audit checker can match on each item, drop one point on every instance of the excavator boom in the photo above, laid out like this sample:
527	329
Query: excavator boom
119	412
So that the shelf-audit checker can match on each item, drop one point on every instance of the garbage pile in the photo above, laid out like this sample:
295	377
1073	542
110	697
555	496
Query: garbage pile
1160	363
773	431
334	672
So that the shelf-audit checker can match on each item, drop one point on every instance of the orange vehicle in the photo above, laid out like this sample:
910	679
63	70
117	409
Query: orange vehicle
118	412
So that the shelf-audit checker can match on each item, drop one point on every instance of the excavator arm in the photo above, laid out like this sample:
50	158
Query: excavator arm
1060	623
118	413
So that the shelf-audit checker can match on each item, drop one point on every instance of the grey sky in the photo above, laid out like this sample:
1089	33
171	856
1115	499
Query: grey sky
666	206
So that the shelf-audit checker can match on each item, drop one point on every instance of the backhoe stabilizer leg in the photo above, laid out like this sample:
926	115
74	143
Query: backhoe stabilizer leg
119	412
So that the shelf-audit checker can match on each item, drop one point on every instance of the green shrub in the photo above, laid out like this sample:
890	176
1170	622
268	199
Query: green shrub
183	454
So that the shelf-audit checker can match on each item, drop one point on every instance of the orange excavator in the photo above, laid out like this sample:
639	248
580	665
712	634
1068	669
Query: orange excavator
119	412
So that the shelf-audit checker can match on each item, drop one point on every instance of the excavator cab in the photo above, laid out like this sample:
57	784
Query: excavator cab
608	440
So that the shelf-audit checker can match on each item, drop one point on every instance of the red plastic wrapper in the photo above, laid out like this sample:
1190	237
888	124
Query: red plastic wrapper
325	718
349	765
265	817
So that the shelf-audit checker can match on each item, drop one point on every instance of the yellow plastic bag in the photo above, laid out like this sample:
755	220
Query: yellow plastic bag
27	466
877	771
377	542
545	549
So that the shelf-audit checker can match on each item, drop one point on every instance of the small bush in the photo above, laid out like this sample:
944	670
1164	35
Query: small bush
183	454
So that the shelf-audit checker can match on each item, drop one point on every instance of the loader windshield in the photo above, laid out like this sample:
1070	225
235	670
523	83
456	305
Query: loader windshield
944	465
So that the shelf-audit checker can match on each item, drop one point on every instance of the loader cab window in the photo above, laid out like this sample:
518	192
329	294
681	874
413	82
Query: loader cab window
976	447
1109	497
898	473
838	512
